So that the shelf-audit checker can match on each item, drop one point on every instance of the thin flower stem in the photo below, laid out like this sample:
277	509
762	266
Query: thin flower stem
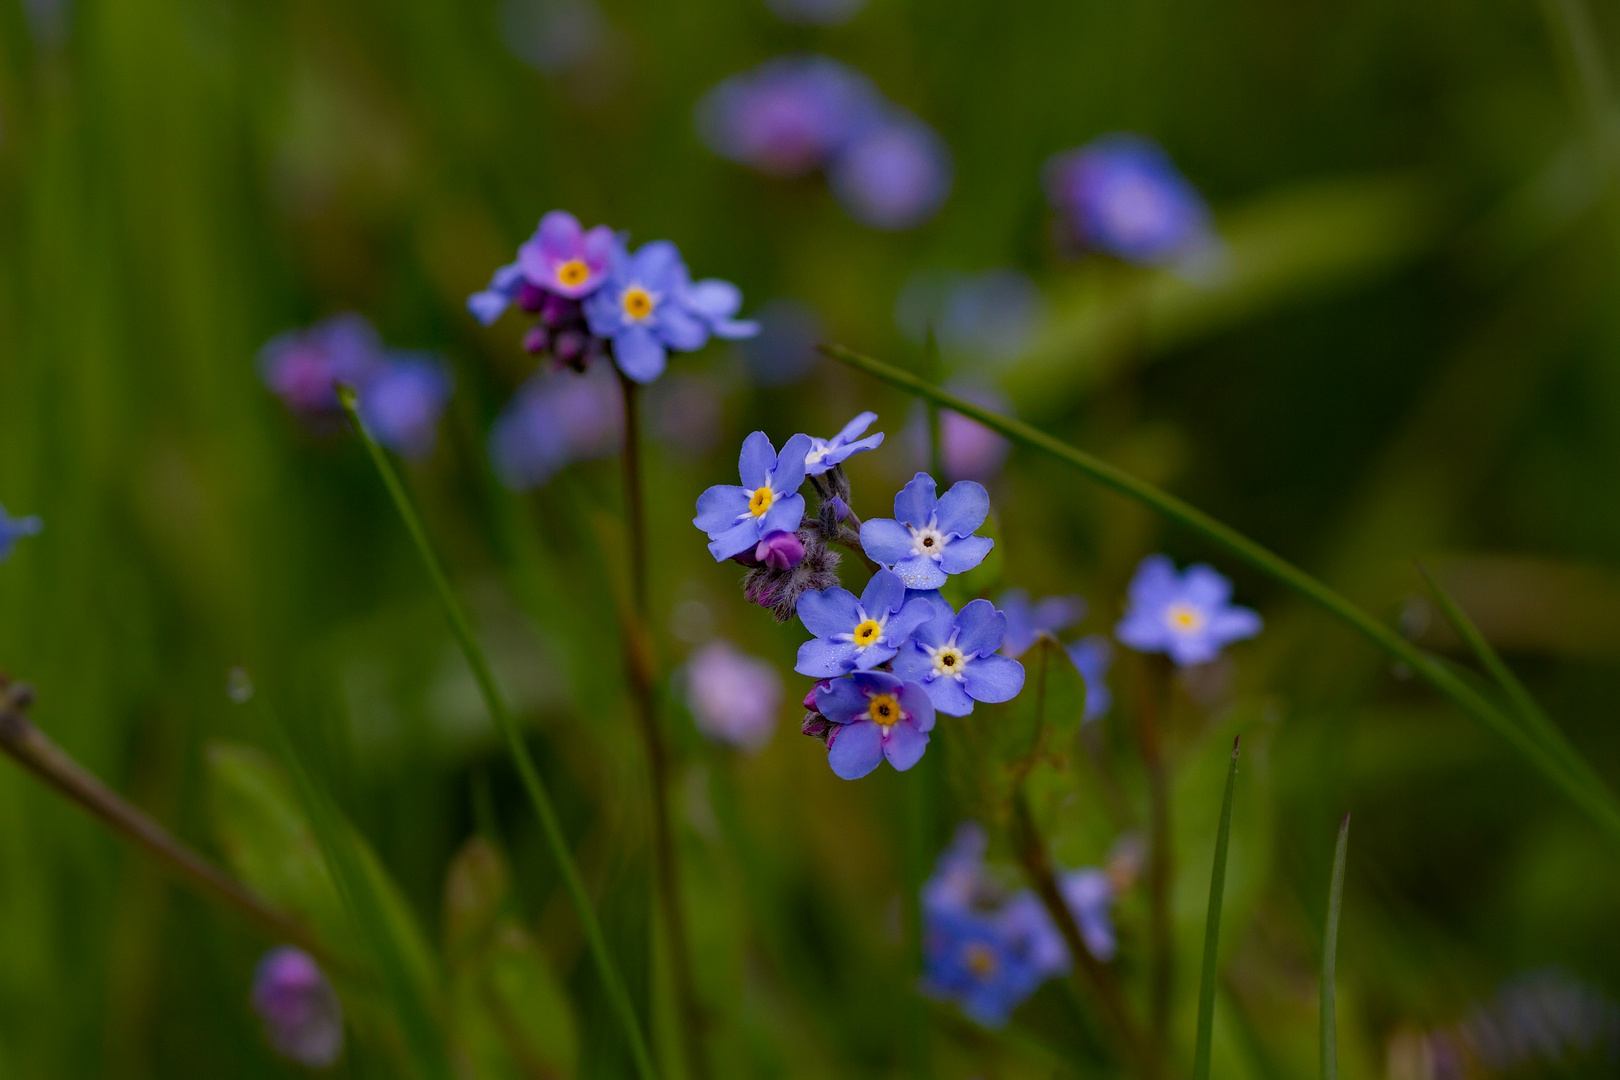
1160	866
643	682
1212	927
34	751
1330	952
1599	803
461	629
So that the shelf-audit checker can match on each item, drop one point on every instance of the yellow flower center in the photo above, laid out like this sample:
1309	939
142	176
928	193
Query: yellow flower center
638	304
760	501
981	960
572	273
884	710
1184	617
867	633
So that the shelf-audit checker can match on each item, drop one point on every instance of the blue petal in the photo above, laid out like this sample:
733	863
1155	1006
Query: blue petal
841	454
713	299
903	624
1155	583
1190	650
1144	630
919	708
883	594
912	664
734	329
904	745
829	612
680	329
856	749
823	659
658	267
755	461
854	427
487	306
964	553
870	657
981	628
735	540
603	312
1234	624
785	515
719	507
789	471
918	571
948	696
915	503
963	509
993	679
842	701
638	354
1205	587
885	541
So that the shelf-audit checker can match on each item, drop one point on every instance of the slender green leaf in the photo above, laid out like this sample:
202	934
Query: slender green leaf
607	971
1330	954
1600	803
1212	927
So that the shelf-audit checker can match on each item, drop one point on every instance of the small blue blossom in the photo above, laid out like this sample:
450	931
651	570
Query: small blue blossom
649	305
554	420
304	367
1092	655
401	404
930	537
875	715
1189	615
853	634
14	529
953	656
561	258
1027	621
826	453
735	698
788	116
738	518
1089	894
1122	194
894	175
303	1018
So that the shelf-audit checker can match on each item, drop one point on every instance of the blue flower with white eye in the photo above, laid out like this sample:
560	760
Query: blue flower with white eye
954	657
1026	621
930	537
826	453
1092	655
875	715
649	305
14	529
857	634
1189	615
738	518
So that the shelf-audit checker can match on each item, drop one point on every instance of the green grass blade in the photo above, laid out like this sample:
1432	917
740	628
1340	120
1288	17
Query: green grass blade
1212	927
1539	724
461	629
1599	802
358	892
1330	955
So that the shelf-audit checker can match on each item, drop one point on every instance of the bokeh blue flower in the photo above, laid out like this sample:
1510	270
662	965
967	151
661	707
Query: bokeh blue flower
1026	620
401	403
301	1013
1122	194
789	116
735	698
554	420
1188	616
14	529
1092	656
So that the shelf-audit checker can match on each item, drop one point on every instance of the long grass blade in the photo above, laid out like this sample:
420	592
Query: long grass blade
358	892
1330	954
1212	927
1599	802
461	629
1536	720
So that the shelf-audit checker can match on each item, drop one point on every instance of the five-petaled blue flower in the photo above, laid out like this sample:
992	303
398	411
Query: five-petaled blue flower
1027	621
648	305
858	634
1092	655
1189	615
14	529
989	963
930	537
826	453
876	716
954	657
738	518
561	257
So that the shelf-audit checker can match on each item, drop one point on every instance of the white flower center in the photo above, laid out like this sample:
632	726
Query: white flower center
818	452
949	661
930	542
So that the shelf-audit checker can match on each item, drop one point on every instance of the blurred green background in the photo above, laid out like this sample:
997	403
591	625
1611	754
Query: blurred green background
1414	355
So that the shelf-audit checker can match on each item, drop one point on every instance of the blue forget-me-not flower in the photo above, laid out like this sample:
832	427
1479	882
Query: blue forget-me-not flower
738	518
875	715
954	657
827	453
561	257
1122	194
930	537
857	634
303	1018
1027	620
14	529
1189	615
401	404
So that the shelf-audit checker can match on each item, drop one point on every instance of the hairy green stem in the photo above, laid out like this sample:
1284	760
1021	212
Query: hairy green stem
1599	804
461	630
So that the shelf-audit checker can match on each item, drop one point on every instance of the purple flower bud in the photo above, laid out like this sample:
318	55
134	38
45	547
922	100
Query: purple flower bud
780	551
531	297
734	697
817	726
303	1018
536	339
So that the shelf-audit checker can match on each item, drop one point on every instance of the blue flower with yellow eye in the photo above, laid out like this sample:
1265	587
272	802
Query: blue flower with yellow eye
14	529
738	518
954	657
1188	615
930	537
875	715
827	453
857	634
649	305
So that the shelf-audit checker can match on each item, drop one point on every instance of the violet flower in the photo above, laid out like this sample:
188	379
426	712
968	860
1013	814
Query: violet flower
735	698
303	1018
